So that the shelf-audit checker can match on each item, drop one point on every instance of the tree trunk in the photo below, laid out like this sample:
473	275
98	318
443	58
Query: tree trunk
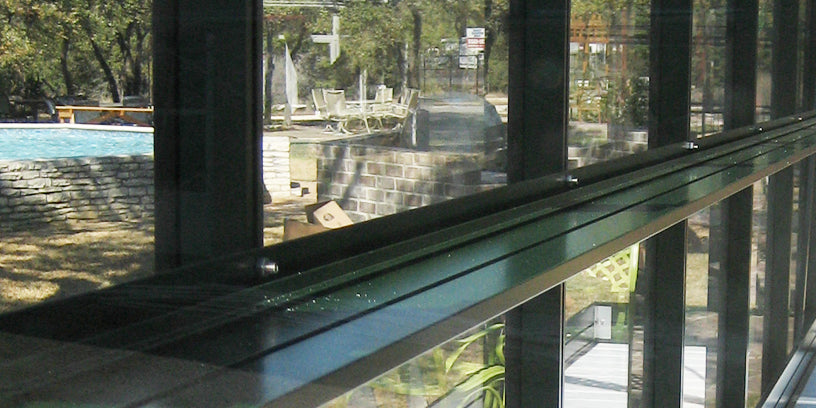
413	65
66	73
490	39
270	69
113	87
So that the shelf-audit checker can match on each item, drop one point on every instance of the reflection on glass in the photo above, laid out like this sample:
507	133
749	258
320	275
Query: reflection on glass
702	307
383	107
596	343
802	41
795	286
757	296
707	67
609	85
764	44
418	116
72	225
467	371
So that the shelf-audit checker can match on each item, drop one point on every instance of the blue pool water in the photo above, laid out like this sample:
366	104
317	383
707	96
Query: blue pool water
24	143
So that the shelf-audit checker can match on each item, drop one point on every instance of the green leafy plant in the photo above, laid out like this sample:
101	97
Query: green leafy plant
486	379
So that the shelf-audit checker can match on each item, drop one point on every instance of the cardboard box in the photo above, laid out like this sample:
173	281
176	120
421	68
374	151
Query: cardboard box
328	214
293	229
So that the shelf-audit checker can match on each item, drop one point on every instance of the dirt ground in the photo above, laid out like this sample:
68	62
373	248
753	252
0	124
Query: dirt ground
49	264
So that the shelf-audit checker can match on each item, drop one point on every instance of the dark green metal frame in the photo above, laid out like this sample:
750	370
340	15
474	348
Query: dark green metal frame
291	326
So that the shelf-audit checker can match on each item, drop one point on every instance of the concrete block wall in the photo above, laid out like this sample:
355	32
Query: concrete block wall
373	181
39	192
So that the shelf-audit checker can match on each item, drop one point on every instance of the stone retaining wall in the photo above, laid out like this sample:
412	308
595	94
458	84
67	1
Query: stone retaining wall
373	181
368	182
35	193
39	192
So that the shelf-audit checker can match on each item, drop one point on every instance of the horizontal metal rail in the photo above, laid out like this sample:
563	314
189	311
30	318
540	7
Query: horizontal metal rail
797	376
320	327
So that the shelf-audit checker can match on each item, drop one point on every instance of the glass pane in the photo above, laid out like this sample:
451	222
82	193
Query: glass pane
598	333
466	371
702	307
76	199
796	281
765	41
757	297
609	80
802	39
707	67
390	108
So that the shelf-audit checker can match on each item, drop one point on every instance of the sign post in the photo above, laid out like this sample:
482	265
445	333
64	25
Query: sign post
470	46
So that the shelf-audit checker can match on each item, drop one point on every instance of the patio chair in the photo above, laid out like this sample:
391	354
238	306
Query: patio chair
320	107
340	113
383	104
401	110
384	95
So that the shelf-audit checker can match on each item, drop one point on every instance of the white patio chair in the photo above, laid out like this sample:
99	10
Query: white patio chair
401	110
340	113
320	107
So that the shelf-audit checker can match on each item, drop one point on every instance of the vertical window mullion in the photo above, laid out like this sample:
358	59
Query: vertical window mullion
809	183
669	100
731	242
780	197
777	277
536	139
208	127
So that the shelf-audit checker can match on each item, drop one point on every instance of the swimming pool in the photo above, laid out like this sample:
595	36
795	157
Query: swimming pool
26	142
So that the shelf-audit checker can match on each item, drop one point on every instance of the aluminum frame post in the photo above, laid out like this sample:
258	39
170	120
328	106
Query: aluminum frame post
780	198
730	243
208	126
537	145
669	121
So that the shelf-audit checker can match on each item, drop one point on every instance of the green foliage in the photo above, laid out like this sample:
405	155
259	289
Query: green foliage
57	47
485	380
374	37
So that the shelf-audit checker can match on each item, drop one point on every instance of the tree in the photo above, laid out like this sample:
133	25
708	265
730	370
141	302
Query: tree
374	35
496	13
118	34
47	45
24	65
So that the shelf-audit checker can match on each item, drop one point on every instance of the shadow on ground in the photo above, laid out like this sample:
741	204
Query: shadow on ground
56	262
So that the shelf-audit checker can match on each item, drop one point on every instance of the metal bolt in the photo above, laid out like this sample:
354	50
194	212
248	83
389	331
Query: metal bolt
267	267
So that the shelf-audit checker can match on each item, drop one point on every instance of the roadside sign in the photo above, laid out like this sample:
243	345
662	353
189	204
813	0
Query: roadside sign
478	43
468	62
475	38
475	32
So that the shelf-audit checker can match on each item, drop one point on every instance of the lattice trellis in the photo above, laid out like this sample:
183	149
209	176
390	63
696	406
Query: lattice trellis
619	269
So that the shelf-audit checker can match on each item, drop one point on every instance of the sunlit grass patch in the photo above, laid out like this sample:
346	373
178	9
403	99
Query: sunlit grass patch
44	265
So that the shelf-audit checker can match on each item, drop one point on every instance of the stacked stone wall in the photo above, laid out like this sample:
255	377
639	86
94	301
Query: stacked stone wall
117	188
35	192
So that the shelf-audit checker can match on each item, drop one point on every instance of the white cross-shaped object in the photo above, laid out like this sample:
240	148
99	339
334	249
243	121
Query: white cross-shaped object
332	39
